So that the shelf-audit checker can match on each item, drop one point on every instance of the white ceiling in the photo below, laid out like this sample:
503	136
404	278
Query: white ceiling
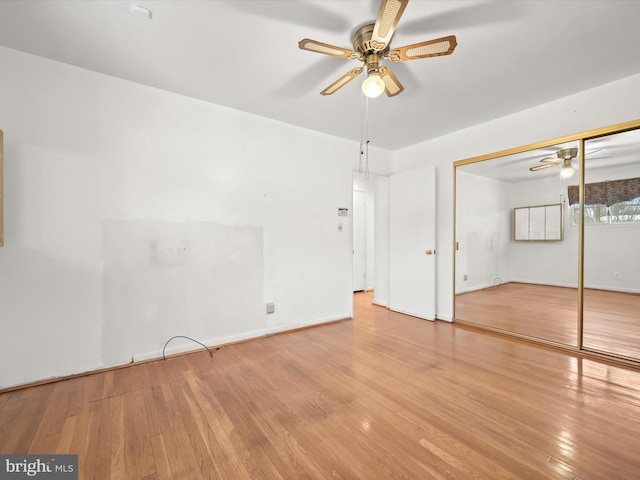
511	55
616	151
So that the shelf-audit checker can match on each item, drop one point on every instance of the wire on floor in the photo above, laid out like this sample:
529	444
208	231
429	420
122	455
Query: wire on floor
188	338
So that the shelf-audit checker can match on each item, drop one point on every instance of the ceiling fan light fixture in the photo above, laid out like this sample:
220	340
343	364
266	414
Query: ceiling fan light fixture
567	169
566	172
373	85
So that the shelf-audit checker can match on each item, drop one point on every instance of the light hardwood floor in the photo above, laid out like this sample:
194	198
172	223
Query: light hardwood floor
385	396
611	319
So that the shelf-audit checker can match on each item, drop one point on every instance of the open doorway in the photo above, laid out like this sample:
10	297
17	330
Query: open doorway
365	231
359	241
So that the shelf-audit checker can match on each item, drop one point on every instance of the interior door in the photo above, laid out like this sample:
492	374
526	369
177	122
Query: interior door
359	241
412	241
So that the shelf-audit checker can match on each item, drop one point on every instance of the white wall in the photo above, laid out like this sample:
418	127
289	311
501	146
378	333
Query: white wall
609	104
482	231
133	214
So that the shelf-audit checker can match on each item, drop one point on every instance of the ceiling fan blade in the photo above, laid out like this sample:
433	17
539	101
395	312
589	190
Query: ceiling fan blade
388	17
540	167
431	48
342	81
552	160
319	47
392	85
593	151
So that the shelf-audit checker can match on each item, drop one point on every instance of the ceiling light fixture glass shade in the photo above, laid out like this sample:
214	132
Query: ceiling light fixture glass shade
373	86
567	169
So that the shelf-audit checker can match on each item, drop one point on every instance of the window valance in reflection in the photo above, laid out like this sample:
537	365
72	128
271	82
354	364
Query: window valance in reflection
606	193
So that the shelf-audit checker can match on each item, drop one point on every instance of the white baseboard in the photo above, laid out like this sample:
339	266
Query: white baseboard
308	323
613	289
479	287
550	284
225	340
568	285
413	315
381	302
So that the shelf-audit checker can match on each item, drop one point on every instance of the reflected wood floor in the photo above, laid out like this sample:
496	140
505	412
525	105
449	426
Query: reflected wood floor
611	319
385	396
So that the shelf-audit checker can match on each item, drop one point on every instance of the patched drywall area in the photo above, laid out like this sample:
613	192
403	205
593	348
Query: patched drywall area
161	279
483	232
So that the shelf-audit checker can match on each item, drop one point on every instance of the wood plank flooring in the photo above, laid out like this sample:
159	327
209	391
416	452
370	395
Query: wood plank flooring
611	319
384	396
612	322
539	311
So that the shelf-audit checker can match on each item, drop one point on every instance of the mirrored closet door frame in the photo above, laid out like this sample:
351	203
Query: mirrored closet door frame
579	139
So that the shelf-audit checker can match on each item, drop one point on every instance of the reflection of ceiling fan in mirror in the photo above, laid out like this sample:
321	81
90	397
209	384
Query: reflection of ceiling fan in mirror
371	43
564	157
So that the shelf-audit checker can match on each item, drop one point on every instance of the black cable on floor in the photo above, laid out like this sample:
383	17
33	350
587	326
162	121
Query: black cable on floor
188	338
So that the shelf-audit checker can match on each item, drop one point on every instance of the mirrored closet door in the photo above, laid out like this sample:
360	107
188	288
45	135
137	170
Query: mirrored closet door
516	258
525	262
611	310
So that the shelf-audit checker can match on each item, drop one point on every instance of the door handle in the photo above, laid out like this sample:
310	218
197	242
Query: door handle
430	252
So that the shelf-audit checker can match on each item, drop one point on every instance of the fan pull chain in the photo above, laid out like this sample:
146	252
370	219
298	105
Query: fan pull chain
563	190
362	130
364	135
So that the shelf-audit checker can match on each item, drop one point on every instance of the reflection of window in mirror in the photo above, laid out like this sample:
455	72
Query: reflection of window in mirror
614	201
612	181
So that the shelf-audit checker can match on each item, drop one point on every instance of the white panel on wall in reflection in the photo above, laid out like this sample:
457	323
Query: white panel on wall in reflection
538	223
553	222
521	220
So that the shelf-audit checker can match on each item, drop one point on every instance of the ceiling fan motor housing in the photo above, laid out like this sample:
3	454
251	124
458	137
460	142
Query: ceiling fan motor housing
567	153
372	51
362	41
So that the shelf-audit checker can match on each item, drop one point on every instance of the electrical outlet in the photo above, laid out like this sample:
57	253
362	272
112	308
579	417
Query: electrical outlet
616	275
271	307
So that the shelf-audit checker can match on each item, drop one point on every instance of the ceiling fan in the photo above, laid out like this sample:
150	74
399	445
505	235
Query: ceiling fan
371	43
564	157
